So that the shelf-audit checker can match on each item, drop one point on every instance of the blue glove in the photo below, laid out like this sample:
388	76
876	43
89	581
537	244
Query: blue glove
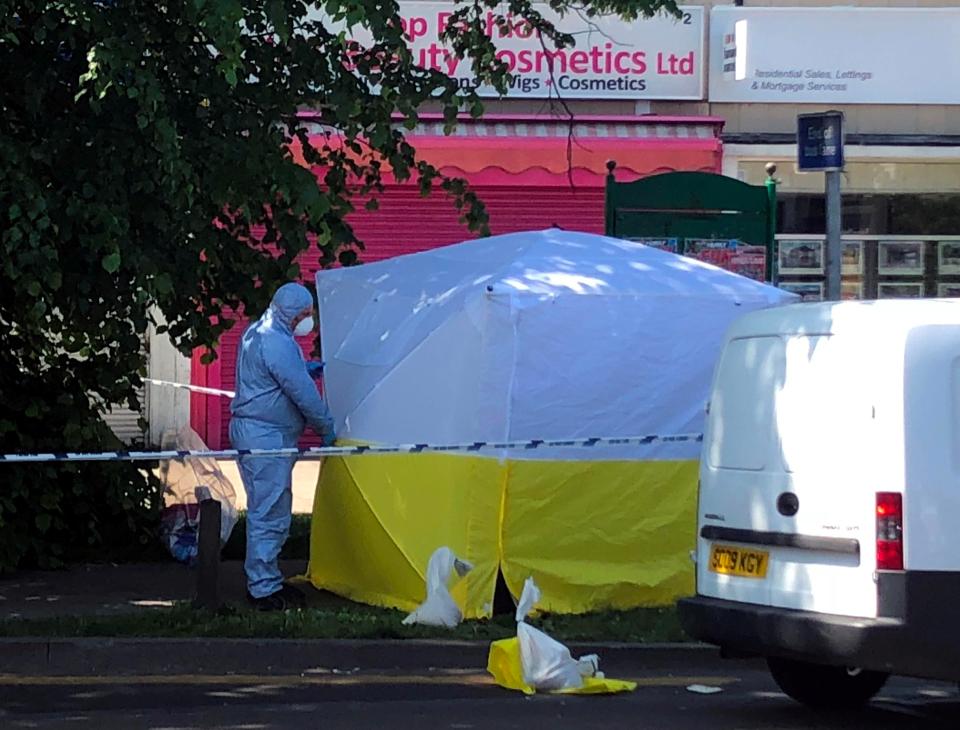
315	369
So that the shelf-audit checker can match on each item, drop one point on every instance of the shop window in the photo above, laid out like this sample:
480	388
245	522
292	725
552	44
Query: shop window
925	214
900	223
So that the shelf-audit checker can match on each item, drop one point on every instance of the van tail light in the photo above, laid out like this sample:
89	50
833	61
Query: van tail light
889	531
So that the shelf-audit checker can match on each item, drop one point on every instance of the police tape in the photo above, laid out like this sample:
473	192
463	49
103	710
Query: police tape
320	452
191	388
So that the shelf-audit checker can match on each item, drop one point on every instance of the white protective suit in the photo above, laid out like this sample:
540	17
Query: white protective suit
276	398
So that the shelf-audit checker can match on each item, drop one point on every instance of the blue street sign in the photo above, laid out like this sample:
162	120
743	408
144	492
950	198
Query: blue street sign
820	141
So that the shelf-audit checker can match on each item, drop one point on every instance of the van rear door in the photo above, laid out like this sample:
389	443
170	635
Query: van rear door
789	476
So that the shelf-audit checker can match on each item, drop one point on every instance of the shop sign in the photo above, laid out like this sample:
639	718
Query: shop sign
835	55
657	58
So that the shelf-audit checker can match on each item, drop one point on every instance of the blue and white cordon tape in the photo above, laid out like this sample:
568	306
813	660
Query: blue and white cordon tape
191	388
319	452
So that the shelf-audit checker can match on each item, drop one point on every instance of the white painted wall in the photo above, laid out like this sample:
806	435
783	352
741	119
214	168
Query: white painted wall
168	409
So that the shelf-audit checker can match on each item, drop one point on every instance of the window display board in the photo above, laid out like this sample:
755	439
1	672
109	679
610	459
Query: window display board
873	267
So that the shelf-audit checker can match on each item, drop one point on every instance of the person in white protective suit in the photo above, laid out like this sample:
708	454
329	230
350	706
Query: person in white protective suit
275	399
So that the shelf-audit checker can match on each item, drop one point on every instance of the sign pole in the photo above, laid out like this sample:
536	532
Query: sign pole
834	251
820	148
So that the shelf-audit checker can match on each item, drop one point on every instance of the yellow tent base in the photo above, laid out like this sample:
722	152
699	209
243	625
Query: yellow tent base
503	663
595	535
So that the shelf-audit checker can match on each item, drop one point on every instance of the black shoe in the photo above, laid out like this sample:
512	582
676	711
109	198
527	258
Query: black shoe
274	602
294	595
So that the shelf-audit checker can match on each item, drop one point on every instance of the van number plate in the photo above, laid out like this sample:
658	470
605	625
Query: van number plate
739	561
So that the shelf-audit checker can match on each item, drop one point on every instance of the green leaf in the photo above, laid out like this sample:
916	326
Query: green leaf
163	284
42	522
279	19
111	262
348	258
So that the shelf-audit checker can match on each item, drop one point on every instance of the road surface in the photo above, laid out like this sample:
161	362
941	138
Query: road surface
458	699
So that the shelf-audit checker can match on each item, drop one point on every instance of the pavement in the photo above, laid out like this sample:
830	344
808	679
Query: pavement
110	589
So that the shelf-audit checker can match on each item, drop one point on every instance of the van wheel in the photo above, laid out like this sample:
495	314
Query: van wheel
825	687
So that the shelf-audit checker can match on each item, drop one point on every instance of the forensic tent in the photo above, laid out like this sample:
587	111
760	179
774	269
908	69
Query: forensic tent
536	335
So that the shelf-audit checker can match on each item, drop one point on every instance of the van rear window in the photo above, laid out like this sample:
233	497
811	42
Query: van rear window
742	407
793	404
823	411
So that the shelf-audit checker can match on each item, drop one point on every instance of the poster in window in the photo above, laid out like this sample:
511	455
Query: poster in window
749	261
809	291
801	257
899	290
716	251
949	291
948	257
852	257
901	257
696	246
851	290
664	244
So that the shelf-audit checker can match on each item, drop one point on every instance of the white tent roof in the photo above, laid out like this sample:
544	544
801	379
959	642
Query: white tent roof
474	340
548	262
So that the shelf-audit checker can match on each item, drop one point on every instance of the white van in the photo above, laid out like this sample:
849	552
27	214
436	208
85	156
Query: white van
828	535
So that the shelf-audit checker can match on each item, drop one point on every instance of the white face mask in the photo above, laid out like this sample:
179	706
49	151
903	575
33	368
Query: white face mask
304	328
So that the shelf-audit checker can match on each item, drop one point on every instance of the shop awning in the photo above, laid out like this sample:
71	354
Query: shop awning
543	151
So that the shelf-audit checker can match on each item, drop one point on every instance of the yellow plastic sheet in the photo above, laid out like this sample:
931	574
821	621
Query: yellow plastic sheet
593	534
503	663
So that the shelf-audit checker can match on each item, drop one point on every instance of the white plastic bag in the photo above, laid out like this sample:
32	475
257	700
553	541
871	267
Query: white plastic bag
546	663
180	519
440	609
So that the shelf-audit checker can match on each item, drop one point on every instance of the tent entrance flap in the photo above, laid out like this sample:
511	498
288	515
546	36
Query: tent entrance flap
376	523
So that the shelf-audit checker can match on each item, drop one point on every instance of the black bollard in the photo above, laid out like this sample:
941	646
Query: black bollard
208	552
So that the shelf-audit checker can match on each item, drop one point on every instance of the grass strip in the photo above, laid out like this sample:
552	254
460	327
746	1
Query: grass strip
351	621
